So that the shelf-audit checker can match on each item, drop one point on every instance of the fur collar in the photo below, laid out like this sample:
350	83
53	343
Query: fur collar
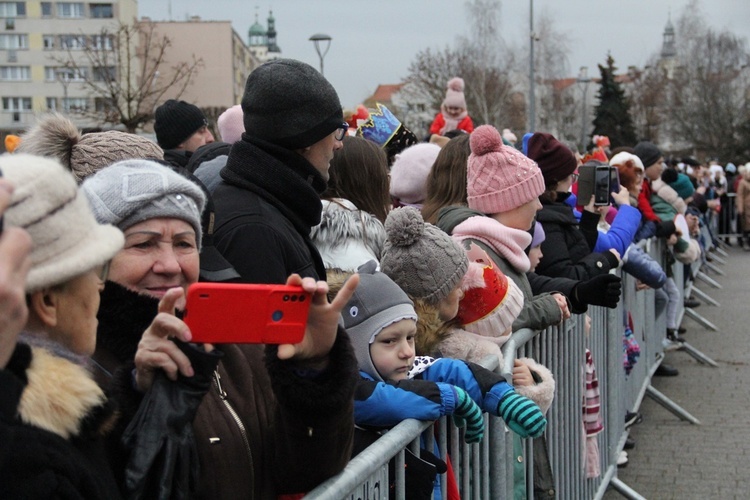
508	242
61	397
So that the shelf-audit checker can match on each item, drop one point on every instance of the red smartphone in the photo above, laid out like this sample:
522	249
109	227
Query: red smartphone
230	313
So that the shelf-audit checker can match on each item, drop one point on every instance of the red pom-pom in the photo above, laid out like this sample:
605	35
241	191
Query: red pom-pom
485	139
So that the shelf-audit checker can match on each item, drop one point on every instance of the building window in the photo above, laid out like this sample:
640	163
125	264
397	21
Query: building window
101	10
72	42
54	73
15	73
75	104
49	42
105	74
70	9
103	105
101	42
16	103
52	103
46	9
12	42
12	9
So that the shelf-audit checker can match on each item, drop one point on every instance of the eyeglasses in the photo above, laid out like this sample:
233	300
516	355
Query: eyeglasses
341	131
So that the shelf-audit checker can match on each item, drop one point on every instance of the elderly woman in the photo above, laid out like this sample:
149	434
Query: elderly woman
277	420
53	413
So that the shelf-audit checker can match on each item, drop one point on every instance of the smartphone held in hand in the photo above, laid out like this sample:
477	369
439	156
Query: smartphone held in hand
223	313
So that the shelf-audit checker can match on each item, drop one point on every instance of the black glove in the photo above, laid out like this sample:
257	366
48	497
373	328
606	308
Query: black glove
665	229
603	290
163	461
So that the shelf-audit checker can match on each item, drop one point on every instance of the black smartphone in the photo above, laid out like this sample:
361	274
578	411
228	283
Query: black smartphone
601	185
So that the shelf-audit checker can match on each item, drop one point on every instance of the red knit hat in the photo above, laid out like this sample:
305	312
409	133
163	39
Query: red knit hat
491	301
499	178
555	160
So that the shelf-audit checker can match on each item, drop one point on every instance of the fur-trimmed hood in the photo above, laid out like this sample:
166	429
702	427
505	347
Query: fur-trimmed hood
60	396
346	236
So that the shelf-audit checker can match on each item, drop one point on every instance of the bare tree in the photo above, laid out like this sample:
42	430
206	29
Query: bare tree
647	92
481	59
709	102
128	73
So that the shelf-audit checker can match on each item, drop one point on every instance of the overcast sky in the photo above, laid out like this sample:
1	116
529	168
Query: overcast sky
375	40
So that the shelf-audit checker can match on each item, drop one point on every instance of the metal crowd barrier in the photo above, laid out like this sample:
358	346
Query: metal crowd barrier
485	470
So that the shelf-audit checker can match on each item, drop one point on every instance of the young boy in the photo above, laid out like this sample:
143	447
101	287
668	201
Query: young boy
396	385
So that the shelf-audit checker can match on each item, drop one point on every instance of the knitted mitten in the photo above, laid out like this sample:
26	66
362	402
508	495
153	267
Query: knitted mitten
468	413
522	415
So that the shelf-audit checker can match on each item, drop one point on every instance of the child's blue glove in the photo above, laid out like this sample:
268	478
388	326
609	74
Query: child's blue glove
522	415
468	413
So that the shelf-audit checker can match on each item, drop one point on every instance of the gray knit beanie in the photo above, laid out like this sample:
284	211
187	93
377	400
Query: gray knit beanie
377	303
421	258
66	239
132	191
290	104
648	152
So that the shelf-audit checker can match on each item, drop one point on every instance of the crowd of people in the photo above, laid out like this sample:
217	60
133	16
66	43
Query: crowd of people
421	258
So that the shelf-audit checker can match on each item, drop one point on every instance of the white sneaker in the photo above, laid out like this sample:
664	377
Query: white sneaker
671	345
622	459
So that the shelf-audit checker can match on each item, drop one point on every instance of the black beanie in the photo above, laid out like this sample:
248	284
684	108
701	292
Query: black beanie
647	152
290	104
175	121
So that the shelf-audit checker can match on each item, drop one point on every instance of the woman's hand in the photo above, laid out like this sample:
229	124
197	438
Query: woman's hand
322	321
156	349
622	197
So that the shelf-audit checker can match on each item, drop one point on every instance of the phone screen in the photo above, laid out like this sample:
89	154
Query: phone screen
601	186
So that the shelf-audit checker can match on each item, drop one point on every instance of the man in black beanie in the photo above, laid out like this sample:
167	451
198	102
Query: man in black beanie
269	197
180	129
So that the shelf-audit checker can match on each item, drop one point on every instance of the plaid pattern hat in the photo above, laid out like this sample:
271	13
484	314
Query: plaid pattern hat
133	191
424	261
175	121
67	240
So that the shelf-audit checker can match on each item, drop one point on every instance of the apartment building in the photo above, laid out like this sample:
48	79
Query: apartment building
33	35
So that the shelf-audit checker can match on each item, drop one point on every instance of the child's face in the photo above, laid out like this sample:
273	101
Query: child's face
448	307
454	110
392	351
535	255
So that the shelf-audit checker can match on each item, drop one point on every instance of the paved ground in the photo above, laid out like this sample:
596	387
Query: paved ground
675	459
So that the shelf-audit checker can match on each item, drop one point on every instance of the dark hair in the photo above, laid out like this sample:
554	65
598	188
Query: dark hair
359	173
446	183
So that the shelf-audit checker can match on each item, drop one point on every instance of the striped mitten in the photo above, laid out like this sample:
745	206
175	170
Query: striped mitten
468	413
522	415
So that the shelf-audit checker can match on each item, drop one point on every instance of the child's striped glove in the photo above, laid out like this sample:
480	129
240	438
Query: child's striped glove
522	415
468	413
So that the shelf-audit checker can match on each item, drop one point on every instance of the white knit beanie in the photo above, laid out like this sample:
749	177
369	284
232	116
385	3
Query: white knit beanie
66	239
410	171
454	95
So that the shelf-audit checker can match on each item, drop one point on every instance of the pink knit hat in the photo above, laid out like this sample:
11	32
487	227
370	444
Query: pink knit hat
231	124
409	173
454	96
499	178
491	301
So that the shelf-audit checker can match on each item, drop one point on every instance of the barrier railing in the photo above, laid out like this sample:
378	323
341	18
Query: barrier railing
485	470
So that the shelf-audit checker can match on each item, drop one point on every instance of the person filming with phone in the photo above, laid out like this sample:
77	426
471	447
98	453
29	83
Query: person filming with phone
275	419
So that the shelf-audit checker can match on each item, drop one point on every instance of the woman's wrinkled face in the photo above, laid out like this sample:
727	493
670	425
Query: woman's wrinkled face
159	254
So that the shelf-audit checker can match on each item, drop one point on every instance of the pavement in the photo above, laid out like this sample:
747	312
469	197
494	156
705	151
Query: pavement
674	459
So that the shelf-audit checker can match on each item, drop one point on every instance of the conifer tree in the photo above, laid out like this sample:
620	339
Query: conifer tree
613	111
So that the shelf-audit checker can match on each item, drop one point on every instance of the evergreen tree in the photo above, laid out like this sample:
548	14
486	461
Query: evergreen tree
613	111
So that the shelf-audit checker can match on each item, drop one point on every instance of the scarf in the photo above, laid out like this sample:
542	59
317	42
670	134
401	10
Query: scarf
450	122
281	176
508	242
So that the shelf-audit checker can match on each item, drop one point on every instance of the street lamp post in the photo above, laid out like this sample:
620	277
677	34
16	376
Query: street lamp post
585	80
317	39
64	77
532	90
